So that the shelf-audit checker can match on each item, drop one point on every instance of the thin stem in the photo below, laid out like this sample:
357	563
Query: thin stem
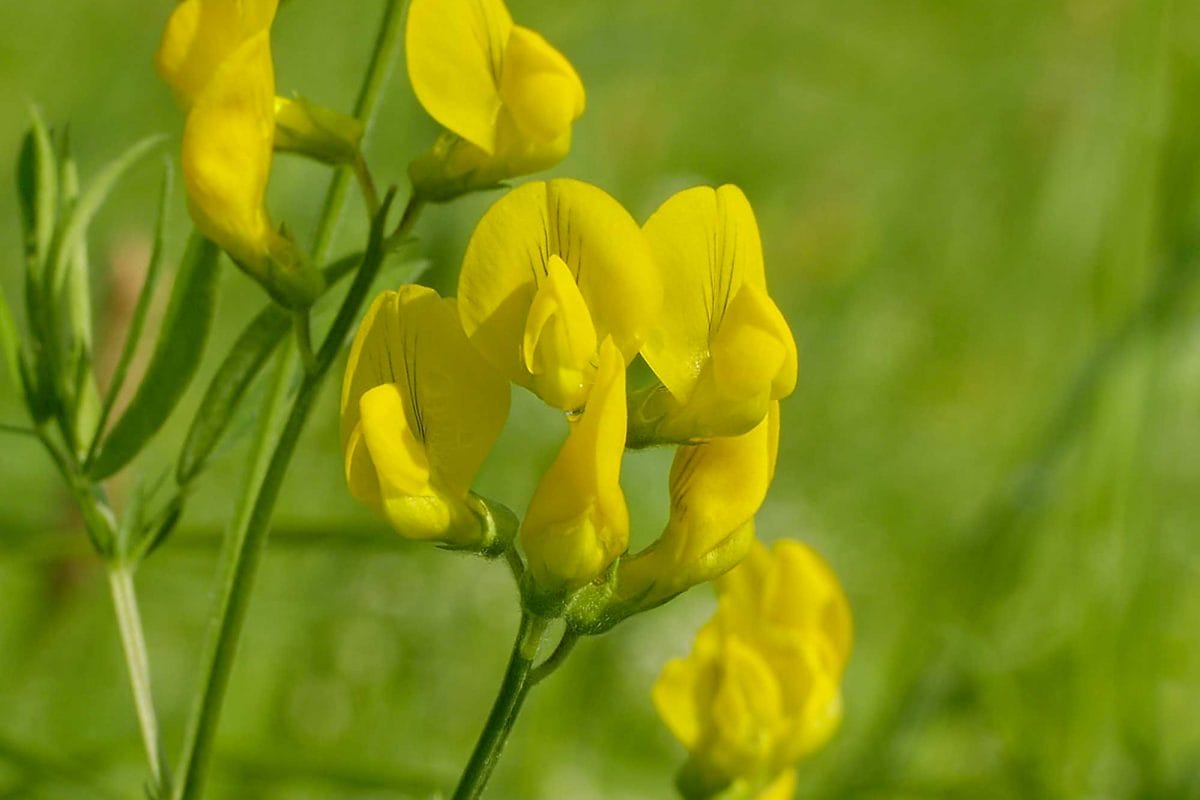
249	537
300	320
366	185
504	711
133	641
365	107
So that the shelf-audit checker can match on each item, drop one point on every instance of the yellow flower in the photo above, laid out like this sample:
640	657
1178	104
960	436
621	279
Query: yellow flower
716	489
761	687
552	269
722	349
506	97
578	523
216	56
420	412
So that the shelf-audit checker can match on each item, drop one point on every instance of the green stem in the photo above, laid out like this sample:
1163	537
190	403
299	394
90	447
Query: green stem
133	641
301	323
364	109
249	537
513	688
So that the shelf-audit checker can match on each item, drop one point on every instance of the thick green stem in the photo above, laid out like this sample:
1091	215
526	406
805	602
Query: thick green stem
250	536
133	641
513	688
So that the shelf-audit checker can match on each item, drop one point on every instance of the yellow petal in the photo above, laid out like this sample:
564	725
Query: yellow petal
360	470
397	452
722	348
559	340
227	153
674	698
508	259
539	86
577	522
748	714
455	51
201	34
804	592
706	245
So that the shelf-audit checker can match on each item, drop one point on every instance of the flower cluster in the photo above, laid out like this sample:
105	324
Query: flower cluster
761	687
560	290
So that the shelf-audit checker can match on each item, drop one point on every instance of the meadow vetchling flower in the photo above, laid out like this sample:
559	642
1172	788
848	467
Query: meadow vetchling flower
505	96
721	349
420	412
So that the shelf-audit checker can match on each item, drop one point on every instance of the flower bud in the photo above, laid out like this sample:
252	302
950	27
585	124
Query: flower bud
316	132
506	97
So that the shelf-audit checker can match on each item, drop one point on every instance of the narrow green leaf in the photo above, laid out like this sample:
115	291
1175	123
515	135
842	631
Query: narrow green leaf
75	226
37	189
176	356
141	310
237	372
243	363
10	342
77	280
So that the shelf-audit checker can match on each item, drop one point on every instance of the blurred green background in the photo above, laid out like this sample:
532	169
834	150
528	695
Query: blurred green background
981	219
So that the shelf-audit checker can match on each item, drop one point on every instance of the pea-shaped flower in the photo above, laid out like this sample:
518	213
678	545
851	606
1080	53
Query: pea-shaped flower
506	97
553	269
716	489
216	56
420	412
721	348
577	523
761	687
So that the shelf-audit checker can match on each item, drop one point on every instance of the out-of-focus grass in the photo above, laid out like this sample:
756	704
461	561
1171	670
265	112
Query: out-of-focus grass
981	220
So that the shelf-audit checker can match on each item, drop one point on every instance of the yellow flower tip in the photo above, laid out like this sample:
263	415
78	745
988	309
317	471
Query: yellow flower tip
201	34
724	351
539	86
578	523
560	339
551	269
420	412
316	132
761	687
216	55
504	93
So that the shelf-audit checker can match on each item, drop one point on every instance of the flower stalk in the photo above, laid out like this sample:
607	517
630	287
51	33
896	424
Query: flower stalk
515	685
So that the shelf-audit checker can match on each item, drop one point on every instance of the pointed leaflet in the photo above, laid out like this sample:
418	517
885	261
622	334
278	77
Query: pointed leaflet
138	320
176	356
